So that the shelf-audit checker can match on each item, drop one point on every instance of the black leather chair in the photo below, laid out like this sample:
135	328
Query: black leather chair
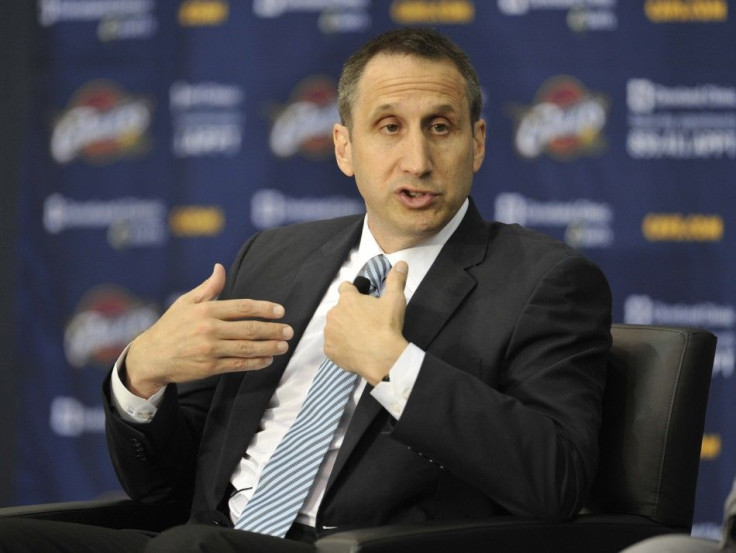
654	412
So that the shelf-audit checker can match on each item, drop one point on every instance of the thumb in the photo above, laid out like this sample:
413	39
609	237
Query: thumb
210	288
396	281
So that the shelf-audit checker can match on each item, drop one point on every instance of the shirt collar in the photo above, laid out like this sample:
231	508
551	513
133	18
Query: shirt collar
420	257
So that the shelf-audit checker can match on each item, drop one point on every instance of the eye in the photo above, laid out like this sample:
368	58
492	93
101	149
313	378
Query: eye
440	128
390	128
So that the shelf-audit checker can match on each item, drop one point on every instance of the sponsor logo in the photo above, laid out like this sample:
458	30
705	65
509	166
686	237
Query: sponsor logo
116	19
304	125
432	11
269	208
584	223
335	16
645	96
102	124
720	319
106	320
129	221
590	15
70	418
678	227
195	13
191	221
684	11
707	530
208	118
680	122
711	448
566	121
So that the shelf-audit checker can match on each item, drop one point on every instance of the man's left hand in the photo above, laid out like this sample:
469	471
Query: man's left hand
363	333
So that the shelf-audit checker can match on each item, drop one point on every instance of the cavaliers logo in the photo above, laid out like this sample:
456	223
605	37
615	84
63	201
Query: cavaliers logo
304	125
101	124
566	121
106	320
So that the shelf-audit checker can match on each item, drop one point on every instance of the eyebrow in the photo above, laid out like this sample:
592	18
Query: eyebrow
441	109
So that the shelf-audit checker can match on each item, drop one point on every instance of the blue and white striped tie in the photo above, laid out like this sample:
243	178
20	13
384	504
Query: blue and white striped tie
289	473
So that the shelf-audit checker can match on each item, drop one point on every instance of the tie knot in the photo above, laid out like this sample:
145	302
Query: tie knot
375	270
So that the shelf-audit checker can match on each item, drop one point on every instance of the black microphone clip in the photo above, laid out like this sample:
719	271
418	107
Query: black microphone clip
362	284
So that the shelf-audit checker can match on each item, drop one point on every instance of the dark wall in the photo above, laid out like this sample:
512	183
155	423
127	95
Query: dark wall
16	26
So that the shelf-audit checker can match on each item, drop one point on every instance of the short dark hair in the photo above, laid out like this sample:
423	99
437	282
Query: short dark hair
423	43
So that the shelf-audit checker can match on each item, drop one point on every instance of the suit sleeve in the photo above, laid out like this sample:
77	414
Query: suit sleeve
156	461
528	437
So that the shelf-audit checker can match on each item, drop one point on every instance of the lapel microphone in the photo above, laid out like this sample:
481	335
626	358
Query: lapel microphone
362	284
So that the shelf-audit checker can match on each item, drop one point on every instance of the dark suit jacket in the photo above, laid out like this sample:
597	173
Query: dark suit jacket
504	415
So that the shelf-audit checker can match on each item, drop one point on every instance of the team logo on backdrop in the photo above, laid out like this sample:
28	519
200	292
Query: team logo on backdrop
189	221
566	121
270	207
199	13
589	15
129	19
682	227
106	320
208	118
684	11
411	12
128	222
304	125
583	223
680	122
101	124
718	318
335	16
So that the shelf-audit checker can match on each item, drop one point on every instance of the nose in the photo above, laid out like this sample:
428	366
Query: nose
416	155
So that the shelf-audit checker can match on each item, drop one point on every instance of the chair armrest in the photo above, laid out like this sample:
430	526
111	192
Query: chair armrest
602	534
599	533
121	513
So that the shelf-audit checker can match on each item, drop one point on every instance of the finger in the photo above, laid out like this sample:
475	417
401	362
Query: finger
396	280
211	287
254	330
250	349
231	310
346	287
238	364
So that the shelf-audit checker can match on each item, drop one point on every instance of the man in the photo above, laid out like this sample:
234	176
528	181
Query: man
480	397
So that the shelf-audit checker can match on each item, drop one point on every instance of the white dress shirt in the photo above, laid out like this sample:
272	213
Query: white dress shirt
297	377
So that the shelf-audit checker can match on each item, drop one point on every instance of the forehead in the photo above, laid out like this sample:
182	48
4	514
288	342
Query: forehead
391	79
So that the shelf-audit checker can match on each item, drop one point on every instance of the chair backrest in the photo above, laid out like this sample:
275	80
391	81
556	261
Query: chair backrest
653	417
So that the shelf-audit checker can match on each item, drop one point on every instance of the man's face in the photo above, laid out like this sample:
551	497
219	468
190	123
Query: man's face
412	148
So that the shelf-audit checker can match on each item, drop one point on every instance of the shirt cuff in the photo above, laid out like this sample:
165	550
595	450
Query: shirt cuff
393	395
129	406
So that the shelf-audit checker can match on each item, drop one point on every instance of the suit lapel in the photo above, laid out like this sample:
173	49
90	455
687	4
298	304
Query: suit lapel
255	388
441	292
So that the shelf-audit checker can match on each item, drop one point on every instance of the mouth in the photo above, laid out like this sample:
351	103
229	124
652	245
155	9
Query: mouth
416	198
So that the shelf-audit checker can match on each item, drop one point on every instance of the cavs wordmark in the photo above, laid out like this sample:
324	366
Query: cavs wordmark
566	121
101	124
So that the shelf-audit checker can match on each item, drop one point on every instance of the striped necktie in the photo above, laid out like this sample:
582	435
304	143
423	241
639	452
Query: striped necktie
289	474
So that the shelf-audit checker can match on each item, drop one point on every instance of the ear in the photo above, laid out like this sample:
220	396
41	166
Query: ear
479	146
343	152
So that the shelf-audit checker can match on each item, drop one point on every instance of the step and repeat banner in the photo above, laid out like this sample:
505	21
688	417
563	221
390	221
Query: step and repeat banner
163	134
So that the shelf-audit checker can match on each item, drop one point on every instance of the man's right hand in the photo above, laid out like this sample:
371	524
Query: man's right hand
198	337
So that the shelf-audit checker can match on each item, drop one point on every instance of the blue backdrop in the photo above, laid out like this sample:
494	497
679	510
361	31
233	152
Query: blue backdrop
163	134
